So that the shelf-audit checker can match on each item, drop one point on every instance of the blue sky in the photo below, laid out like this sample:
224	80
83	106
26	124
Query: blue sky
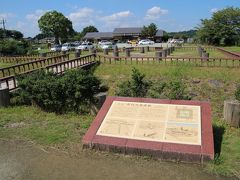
169	15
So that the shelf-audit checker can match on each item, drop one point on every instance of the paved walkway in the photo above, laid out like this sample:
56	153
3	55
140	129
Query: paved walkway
26	161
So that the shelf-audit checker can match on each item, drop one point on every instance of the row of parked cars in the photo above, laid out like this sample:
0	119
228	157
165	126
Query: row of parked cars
141	42
104	44
72	46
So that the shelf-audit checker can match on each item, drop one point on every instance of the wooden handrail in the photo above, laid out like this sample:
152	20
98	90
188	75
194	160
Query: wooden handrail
19	68
78	62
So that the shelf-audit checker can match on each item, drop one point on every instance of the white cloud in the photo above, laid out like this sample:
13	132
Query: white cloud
155	13
87	16
36	15
117	16
213	10
118	19
6	15
82	17
81	14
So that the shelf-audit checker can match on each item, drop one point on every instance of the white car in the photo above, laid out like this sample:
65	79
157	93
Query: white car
145	42
67	47
106	45
104	42
56	48
85	46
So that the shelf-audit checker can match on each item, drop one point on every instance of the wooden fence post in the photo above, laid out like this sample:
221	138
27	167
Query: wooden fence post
232	113
4	97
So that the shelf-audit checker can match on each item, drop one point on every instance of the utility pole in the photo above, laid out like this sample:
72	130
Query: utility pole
3	22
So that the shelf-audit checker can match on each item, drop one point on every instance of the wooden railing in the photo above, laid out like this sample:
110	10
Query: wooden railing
209	48
28	66
228	53
59	68
83	61
170	60
19	59
27	58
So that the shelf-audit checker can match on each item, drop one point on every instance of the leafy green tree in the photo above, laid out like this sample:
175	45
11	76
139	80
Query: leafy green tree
88	29
56	24
223	27
11	34
13	47
40	36
149	31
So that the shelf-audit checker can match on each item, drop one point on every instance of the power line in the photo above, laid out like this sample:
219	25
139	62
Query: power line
3	22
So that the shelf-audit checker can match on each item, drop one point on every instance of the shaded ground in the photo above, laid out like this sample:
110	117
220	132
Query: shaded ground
24	160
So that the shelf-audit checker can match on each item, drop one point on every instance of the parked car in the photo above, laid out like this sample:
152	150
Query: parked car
85	46
56	48
76	43
145	42
67	47
103	42
106	45
176	41
132	42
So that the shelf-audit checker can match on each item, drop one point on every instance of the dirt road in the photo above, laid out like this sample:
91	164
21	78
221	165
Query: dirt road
24	160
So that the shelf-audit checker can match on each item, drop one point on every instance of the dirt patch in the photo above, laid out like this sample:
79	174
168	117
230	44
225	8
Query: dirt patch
15	125
23	160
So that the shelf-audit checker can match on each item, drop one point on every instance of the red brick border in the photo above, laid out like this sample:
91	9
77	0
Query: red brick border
162	150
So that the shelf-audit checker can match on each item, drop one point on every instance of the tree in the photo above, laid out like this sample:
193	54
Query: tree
11	34
223	27
149	31
88	29
56	24
13	47
40	36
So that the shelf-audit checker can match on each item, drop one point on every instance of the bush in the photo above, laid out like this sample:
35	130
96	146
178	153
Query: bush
237	93
138	86
72	91
176	90
13	47
157	90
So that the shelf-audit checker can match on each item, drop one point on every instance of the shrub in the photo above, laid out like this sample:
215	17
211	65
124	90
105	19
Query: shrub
176	90
13	47
138	86
157	90
237	93
72	91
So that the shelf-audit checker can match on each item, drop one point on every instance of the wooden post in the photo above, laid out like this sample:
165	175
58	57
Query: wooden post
142	50
158	54
100	99
4	97
43	55
115	52
77	54
147	49
232	113
105	51
127	52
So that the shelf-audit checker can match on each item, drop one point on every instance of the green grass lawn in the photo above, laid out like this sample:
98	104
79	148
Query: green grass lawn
42	127
233	48
194	53
3	64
